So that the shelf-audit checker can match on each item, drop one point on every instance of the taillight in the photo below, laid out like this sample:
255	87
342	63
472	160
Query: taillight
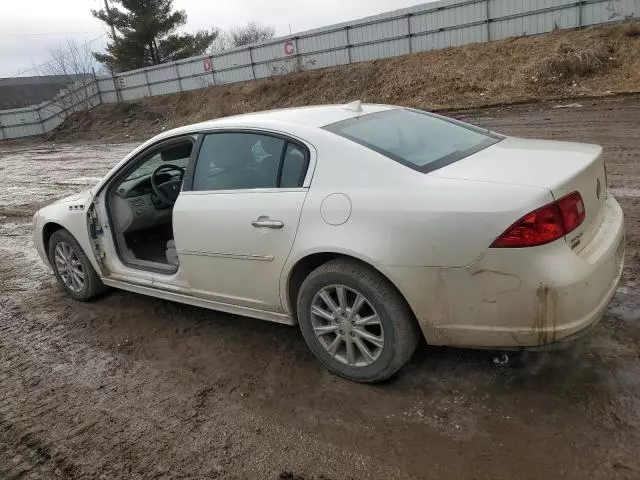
572	208
544	225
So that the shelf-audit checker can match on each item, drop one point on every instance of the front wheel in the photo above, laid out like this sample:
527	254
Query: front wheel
72	268
355	322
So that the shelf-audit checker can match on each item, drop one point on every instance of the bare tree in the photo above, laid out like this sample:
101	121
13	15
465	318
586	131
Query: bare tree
73	65
252	32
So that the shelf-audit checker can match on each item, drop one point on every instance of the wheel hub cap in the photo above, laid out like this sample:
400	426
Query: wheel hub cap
346	325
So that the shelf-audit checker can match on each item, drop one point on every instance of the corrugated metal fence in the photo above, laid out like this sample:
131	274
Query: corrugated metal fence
425	27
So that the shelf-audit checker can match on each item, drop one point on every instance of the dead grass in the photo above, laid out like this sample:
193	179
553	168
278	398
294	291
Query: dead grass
560	65
570	62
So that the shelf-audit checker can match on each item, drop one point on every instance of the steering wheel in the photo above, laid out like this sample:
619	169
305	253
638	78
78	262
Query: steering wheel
168	191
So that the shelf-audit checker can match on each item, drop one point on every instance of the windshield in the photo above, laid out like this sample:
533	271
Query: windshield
419	140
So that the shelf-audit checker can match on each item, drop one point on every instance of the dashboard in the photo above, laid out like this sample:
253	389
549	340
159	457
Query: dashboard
141	186
134	206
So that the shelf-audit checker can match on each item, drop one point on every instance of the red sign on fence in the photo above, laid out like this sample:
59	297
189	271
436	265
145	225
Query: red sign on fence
121	82
207	65
289	48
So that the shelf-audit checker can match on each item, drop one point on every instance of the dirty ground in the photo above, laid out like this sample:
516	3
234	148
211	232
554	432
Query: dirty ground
134	387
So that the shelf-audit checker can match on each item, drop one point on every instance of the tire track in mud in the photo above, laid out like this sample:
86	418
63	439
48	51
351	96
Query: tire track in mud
28	454
45	432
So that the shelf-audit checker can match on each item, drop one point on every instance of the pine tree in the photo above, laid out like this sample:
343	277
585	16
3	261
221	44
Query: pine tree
147	35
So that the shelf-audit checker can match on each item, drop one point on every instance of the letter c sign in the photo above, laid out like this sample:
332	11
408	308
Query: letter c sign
206	64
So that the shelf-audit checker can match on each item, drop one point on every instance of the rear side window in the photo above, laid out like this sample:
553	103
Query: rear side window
294	167
419	140
244	161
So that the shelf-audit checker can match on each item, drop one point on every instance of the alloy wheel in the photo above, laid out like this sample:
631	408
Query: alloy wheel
69	267
347	326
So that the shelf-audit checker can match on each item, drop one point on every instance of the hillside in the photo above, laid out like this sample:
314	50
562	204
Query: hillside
561	65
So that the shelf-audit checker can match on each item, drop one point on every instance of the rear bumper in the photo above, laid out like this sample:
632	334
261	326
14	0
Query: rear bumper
520	297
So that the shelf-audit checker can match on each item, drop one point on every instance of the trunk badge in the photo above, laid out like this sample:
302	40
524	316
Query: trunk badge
598	189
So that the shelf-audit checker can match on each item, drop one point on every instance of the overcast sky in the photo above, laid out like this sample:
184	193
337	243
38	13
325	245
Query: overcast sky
30	29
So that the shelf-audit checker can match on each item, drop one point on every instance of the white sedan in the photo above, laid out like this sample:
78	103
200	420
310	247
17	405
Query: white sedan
366	225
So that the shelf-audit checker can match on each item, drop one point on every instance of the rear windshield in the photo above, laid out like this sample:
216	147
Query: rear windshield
419	140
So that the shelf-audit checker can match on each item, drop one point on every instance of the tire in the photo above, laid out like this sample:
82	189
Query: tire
396	327
63	244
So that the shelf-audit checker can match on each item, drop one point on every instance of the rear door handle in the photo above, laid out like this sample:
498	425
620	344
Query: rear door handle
275	224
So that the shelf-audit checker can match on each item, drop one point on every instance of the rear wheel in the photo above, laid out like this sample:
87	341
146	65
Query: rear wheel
72	268
355	322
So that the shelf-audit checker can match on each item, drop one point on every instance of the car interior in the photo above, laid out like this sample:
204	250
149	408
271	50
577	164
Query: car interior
141	207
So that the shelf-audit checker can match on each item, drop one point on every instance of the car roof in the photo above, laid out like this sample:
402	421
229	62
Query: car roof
312	116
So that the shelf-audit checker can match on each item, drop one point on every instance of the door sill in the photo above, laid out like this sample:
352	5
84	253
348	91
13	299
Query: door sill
200	302
148	266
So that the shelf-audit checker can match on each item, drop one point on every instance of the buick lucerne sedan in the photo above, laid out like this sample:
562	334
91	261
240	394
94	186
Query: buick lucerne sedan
368	226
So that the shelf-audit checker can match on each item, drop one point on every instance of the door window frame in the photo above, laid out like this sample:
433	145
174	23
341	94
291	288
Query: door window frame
306	148
130	164
151	150
125	170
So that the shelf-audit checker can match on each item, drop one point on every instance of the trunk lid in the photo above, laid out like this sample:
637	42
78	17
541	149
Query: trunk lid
561	167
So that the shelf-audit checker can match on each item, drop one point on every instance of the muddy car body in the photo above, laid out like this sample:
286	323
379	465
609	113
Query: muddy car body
367	225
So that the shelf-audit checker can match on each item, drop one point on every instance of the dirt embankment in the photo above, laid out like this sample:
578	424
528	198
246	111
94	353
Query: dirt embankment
563	64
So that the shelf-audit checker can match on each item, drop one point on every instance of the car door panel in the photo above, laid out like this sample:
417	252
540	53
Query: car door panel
233	245
237	216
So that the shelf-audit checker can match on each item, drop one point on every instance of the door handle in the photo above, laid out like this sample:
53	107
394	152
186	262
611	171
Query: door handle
275	224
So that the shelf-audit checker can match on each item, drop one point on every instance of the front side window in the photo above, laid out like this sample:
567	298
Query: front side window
240	161
416	139
177	155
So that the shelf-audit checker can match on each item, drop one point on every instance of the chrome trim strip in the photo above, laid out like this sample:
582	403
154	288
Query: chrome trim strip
245	190
235	256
